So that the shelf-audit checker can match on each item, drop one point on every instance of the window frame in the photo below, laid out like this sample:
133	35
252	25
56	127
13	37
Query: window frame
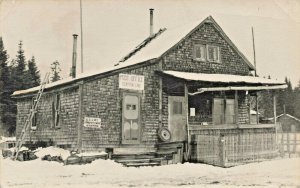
224	115
33	123
202	58
207	52
206	57
56	108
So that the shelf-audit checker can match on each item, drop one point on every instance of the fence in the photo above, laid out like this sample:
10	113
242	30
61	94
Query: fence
288	143
232	147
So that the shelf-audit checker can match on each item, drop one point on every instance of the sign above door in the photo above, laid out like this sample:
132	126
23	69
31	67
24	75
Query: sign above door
131	81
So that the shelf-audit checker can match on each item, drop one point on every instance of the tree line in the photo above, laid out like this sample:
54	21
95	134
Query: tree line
287	101
17	74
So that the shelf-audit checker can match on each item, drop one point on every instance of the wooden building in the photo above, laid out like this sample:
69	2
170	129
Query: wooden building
289	123
192	81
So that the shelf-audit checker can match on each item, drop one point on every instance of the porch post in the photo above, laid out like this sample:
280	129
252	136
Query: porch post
236	108
257	116
187	120
274	108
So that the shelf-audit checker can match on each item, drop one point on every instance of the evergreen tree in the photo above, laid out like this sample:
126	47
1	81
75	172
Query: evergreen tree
7	117
296	103
55	71
33	74
18	70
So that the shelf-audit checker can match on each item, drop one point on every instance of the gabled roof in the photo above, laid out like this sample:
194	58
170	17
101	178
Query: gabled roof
151	50
288	115
173	37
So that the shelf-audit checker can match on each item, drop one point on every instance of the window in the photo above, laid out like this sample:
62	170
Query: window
177	107
33	121
207	53
223	111
213	53
56	110
200	52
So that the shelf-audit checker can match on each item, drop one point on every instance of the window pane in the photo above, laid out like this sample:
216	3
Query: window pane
200	51
131	103
177	107
229	112
218	111
213	53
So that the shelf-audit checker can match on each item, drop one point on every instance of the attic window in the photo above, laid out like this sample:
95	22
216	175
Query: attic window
213	53
199	52
206	52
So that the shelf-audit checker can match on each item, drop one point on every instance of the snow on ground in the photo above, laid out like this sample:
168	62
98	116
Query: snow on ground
106	173
53	151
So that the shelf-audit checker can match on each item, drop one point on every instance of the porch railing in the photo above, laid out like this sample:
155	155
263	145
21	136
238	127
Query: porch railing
230	145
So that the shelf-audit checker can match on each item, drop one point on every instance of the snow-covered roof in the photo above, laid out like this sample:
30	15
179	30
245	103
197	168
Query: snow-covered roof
288	116
70	79
153	50
222	78
253	112
7	139
172	36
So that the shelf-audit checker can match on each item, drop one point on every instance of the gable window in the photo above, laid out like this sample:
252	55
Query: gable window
33	121
213	53
206	52
200	52
56	111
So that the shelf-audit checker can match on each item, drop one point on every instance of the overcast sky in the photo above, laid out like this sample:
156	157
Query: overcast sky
112	28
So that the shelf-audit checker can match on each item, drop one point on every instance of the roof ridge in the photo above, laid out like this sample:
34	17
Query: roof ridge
141	45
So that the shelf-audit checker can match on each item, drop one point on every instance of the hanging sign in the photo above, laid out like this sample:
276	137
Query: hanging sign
91	122
131	81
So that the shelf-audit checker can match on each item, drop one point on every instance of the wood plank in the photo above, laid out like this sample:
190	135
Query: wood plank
79	120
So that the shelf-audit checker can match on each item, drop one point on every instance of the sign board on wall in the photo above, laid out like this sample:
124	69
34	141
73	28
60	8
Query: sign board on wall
131	81
91	122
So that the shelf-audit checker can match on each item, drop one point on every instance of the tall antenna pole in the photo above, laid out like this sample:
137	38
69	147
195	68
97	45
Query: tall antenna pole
254	52
81	36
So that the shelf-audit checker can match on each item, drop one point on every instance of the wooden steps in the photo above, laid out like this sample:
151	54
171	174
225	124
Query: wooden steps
167	153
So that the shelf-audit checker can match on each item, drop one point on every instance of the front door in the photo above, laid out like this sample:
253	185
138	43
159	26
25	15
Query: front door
131	118
177	118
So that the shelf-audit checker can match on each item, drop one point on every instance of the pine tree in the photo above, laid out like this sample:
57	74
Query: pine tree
7	117
55	71
33	74
296	103
18	70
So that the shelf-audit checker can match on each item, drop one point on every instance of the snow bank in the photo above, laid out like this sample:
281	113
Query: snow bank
88	154
52	151
7	139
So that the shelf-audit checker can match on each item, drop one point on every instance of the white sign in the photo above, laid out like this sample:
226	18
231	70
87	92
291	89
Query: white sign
131	81
192	111
92	122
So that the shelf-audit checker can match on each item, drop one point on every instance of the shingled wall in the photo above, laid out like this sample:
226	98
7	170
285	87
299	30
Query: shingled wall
66	134
181	57
103	99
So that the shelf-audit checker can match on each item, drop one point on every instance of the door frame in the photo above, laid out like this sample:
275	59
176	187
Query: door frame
184	114
139	95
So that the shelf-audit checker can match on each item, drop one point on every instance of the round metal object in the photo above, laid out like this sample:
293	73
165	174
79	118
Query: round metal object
164	134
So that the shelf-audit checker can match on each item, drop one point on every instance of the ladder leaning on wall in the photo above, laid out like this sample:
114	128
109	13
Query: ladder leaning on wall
30	115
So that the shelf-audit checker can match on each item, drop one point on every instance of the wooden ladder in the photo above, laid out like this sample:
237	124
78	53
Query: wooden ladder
30	116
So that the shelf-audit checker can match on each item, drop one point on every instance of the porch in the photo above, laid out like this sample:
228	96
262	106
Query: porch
214	112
